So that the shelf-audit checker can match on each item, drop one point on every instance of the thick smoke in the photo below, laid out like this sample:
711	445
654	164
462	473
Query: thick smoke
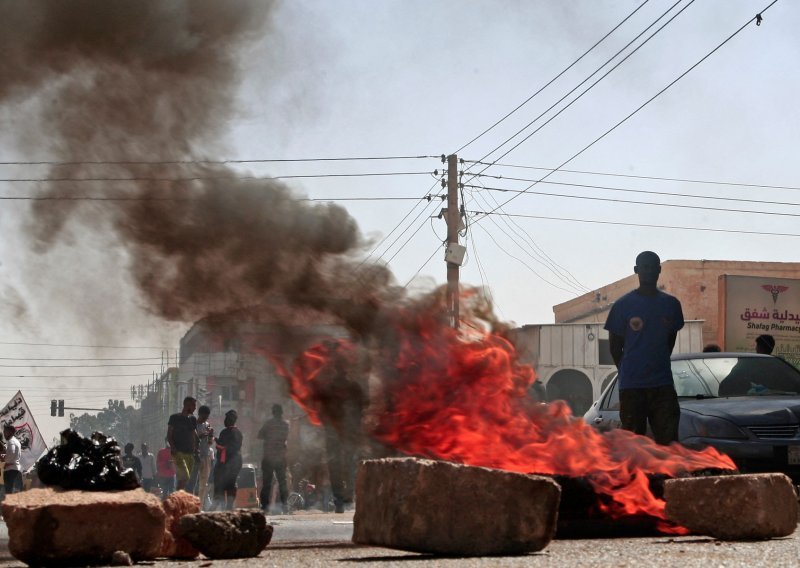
130	82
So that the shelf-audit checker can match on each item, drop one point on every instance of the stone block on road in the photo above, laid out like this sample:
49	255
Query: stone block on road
227	534
734	507
52	527
445	508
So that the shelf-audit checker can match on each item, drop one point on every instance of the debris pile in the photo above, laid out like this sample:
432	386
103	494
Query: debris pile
176	506
91	464
227	534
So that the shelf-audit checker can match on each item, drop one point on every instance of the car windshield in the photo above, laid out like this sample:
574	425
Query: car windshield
734	376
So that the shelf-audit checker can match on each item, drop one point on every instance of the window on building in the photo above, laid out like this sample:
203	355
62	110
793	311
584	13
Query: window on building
605	352
230	393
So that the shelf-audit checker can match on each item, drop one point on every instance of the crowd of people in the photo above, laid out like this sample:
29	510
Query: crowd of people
198	460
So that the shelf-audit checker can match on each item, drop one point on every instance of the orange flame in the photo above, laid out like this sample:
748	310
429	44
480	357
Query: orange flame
463	397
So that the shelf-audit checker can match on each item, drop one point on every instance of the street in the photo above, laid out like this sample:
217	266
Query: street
324	540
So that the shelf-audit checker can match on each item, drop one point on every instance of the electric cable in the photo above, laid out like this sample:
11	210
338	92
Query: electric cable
523	263
633	202
551	81
655	178
424	264
642	191
208	178
209	162
589	88
647	102
643	225
538	255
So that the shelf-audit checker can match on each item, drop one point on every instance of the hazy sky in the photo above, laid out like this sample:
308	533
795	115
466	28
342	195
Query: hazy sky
410	78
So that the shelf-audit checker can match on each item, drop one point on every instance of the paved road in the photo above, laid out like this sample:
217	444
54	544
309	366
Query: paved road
324	540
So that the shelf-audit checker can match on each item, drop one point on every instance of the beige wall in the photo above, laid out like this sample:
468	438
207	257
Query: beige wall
693	282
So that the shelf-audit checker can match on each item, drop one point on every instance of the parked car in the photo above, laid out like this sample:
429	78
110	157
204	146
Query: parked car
743	404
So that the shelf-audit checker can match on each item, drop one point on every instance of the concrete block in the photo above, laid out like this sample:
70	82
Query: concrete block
734	507
52	527
445	508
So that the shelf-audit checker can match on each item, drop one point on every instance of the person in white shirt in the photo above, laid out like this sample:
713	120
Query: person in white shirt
149	471
12	476
205	453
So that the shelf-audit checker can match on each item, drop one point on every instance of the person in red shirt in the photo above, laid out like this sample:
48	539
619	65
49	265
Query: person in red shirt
165	470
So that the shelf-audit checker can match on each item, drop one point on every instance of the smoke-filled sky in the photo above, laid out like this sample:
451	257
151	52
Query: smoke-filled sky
177	80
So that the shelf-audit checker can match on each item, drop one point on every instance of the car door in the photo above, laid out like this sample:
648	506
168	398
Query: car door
607	417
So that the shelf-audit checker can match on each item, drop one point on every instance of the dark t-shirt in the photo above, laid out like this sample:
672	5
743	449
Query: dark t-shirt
183	431
231	440
133	463
646	324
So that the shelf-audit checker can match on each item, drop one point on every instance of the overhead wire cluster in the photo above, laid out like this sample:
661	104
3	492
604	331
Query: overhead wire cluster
481	194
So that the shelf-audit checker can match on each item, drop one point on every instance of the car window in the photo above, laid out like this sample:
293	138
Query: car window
760	376
692	380
734	376
611	400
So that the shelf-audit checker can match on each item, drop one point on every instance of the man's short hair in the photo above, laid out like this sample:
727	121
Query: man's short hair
645	256
10	427
204	410
277	410
189	399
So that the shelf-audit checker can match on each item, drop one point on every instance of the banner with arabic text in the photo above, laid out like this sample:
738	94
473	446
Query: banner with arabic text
18	414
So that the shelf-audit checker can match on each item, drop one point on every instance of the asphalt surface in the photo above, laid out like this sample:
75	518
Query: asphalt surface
324	540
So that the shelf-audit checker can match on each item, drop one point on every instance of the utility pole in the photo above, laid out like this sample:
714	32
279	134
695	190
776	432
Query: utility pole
452	256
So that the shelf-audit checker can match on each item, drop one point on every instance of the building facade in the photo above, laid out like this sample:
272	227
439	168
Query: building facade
694	282
573	361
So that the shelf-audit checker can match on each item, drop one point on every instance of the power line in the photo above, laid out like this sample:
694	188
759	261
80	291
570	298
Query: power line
407	215
78	366
642	191
89	346
630	201
522	262
209	162
656	178
589	88
647	102
424	264
208	178
551	81
80	359
644	225
539	255
103	198
72	376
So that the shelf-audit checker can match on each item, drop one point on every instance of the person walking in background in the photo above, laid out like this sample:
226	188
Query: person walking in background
130	461
182	437
765	344
229	463
643	326
274	433
149	471
205	453
166	470
12	475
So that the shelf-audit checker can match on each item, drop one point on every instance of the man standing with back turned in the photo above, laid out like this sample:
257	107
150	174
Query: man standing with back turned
643	326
